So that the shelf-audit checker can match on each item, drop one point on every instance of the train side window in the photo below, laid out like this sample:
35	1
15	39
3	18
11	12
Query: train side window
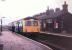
27	23
35	23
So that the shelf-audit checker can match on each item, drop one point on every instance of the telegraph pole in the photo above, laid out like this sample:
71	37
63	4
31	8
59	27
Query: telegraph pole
1	27
1	23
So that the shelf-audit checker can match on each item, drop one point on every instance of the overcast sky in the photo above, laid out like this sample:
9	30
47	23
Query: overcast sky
17	9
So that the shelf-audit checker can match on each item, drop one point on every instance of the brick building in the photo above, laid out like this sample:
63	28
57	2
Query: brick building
56	21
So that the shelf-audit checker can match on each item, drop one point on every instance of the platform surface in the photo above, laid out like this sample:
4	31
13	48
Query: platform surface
13	41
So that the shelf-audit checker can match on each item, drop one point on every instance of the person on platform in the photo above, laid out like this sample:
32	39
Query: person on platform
13	28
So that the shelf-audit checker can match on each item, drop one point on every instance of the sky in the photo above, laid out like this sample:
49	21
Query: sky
14	10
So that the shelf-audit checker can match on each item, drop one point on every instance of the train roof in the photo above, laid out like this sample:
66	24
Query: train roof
28	18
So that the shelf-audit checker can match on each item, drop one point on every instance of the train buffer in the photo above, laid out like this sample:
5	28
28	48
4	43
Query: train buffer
12	41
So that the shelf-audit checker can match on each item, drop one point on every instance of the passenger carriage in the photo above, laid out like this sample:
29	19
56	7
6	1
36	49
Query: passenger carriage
31	24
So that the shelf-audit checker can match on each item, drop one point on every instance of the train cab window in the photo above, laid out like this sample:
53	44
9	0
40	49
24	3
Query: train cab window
35	23
27	23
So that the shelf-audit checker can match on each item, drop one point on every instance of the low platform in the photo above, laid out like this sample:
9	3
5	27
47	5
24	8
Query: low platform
58	34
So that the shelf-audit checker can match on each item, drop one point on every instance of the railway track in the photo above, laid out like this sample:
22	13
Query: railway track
49	40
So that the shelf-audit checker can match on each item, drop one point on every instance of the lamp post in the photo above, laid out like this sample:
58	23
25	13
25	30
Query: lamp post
1	23
18	26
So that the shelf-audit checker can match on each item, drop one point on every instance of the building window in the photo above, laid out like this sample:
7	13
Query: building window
49	20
